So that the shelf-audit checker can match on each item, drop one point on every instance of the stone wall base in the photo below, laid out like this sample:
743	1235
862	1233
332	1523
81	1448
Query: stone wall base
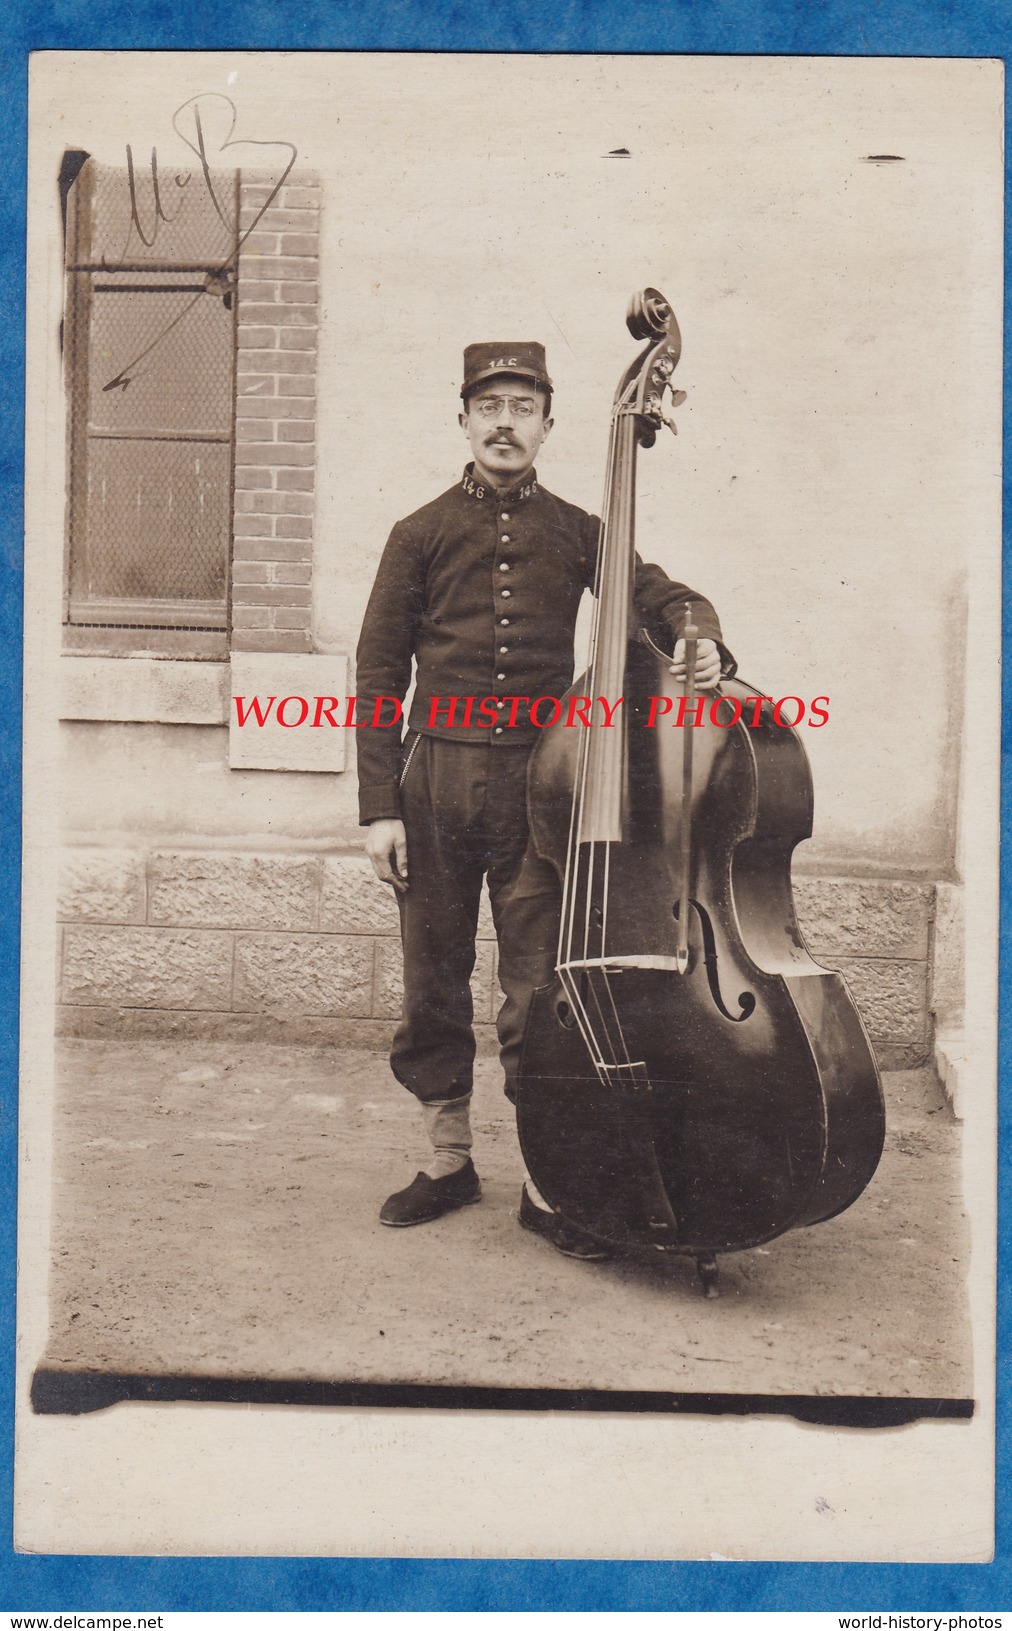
951	1064
369	1035
305	948
167	1025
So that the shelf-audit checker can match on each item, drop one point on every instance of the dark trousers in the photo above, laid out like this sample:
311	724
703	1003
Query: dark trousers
465	812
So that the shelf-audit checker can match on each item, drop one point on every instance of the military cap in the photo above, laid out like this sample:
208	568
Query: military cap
525	358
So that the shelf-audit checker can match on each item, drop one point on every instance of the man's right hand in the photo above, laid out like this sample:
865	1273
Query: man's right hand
386	845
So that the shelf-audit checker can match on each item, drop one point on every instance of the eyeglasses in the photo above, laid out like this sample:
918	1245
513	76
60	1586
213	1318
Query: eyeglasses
490	407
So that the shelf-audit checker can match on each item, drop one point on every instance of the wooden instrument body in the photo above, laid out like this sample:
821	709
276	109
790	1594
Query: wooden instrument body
756	1105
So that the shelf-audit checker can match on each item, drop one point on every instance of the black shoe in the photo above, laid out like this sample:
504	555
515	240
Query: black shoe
428	1198
565	1237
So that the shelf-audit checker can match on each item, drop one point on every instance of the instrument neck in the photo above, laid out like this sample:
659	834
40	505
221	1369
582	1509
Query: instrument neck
602	800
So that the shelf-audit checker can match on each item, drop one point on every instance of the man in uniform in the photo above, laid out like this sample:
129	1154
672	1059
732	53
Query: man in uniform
481	588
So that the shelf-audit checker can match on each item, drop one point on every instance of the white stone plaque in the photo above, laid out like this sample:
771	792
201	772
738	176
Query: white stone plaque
287	711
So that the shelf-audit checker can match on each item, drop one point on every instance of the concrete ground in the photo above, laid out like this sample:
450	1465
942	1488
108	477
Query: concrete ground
215	1213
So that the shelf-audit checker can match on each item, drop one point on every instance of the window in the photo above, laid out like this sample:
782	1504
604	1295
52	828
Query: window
150	357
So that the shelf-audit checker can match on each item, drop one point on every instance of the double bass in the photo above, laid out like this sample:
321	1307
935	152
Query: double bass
691	1081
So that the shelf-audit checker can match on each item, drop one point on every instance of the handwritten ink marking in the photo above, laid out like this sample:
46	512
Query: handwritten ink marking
242	141
220	281
135	219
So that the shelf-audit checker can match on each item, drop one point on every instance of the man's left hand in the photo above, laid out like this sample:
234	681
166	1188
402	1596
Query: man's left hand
707	664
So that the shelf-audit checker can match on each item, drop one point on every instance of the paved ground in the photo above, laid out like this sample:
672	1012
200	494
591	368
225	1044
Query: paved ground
215	1213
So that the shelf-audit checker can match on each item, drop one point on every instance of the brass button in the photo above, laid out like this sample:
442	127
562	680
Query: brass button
498	730
504	566
505	622
505	538
504	650
500	676
505	594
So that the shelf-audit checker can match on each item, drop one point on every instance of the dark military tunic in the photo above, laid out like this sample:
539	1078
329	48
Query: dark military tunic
483	591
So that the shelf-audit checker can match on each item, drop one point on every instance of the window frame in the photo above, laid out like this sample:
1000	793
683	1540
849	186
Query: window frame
121	626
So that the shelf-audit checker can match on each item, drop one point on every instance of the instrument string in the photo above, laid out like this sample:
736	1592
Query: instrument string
596	803
566	922
578	811
579	1012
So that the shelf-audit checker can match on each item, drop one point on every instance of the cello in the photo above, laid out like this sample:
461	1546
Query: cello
691	1081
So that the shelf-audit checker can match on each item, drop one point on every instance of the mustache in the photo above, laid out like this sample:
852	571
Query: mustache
501	436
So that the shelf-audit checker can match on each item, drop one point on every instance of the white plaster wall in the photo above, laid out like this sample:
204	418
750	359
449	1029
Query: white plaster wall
834	486
171	785
830	478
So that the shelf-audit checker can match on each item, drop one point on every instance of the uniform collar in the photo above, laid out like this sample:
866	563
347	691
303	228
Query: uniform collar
482	492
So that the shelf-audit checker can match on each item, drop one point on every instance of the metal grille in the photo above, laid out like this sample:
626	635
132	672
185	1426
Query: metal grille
151	365
163	220
182	384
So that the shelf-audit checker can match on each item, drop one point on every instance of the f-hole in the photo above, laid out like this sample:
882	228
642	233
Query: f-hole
746	999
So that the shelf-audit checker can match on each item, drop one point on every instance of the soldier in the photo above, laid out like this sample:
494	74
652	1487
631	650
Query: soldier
481	588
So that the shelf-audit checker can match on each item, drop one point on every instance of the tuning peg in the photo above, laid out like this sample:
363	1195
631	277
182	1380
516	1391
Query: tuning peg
677	398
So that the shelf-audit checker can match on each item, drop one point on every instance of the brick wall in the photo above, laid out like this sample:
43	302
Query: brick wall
305	947
275	454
